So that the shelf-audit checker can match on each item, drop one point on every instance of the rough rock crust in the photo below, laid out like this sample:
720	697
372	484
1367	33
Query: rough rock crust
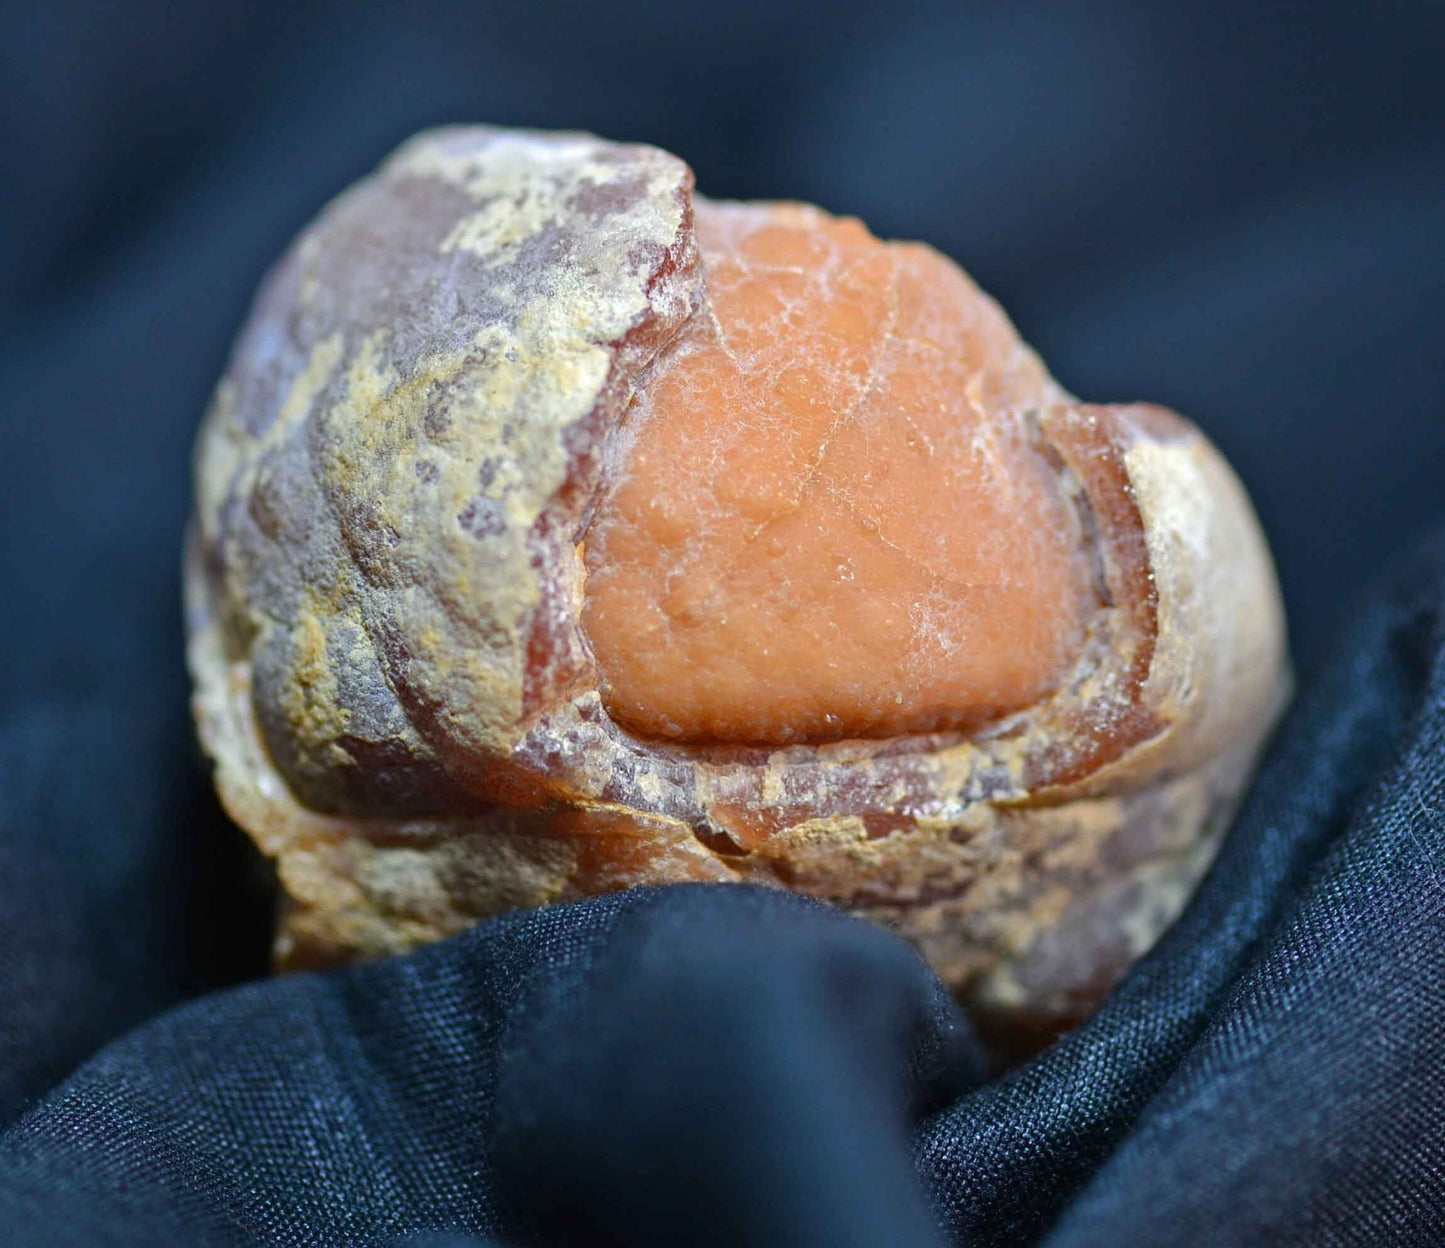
384	585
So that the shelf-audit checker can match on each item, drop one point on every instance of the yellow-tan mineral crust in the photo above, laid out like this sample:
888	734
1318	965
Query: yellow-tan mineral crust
559	531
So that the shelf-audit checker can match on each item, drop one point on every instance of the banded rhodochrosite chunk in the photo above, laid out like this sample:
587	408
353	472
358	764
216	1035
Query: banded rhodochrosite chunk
559	530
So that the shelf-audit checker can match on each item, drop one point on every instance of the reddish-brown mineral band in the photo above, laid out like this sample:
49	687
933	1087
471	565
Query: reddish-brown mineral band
558	531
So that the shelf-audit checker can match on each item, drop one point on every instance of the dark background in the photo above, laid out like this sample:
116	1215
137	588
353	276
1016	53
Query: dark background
1234	208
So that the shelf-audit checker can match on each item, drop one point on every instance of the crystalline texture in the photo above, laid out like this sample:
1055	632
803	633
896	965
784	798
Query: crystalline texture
559	531
825	518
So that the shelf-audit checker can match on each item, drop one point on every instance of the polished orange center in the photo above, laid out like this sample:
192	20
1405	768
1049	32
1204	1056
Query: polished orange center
824	517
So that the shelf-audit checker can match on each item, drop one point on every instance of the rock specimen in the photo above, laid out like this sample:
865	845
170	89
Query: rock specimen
559	530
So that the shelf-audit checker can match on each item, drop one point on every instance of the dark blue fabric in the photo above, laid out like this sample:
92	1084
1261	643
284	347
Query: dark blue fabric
1232	207
734	1066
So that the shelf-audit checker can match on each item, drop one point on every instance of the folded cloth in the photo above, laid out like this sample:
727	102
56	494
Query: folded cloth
734	1066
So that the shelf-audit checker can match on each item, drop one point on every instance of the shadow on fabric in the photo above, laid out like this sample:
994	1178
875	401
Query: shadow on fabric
728	1065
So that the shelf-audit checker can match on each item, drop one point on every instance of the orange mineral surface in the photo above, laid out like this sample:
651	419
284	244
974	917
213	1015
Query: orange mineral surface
829	519
560	531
